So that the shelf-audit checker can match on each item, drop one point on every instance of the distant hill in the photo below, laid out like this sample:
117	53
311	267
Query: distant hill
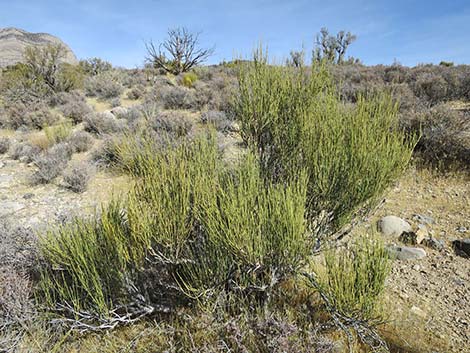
13	42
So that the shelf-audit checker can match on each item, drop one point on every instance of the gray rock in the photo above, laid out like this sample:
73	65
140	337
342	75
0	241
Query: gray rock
393	226
433	243
462	247
423	219
118	112
10	207
14	41
404	253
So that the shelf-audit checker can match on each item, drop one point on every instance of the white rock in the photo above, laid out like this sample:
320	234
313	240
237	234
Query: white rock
393	226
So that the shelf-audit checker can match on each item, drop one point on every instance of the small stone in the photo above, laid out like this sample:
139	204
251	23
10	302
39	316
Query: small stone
423	219
404	253
2	164
416	267
28	196
393	226
462	229
462	247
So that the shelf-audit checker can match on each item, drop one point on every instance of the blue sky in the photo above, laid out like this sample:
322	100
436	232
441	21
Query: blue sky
409	31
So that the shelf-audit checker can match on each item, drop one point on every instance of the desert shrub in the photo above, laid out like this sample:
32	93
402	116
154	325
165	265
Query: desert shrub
36	116
58	133
188	79
69	77
353	278
115	102
95	66
296	121
136	92
104	86
217	119
175	123
81	141
51	163
24	151
103	123
445	136
175	97
77	177
431	86
351	283
4	145
18	262
188	220
40	140
75	110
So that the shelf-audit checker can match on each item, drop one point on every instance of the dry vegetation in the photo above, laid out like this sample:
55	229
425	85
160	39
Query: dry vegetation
208	249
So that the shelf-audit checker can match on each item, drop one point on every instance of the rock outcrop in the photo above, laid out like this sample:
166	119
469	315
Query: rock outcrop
14	41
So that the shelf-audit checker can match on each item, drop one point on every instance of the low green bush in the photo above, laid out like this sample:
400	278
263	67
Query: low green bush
188	79
188	223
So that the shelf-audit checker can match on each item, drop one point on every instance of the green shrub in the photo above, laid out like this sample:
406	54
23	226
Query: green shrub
58	133
353	279
188	222
188	79
294	120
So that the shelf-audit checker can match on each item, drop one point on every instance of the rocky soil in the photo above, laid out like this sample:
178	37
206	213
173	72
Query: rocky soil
429	298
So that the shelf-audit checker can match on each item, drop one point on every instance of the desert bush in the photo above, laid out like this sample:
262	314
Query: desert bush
103	123
173	226
136	92
115	102
35	116
81	141
353	278
296	121
24	151
445	136
4	145
58	133
217	119
18	263
95	66
176	123
104	86
51	163
351	284
75	110
188	79
432	87
77	177
175	97
69	77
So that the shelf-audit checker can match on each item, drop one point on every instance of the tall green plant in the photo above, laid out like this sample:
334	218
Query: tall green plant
294	120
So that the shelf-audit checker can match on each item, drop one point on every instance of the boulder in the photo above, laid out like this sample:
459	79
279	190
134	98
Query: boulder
393	226
405	253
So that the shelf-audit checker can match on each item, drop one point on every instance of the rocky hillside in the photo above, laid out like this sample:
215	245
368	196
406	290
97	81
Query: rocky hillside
13	42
